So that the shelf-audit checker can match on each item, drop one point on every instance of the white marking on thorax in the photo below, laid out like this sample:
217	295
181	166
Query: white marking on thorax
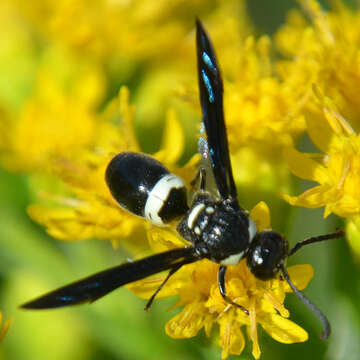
252	229
217	231
158	195
194	215
232	259
210	210
197	230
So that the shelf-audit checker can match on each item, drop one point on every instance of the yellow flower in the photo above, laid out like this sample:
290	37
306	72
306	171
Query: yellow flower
128	38
203	306
260	108
54	121
131	30
86	209
5	327
324	52
336	171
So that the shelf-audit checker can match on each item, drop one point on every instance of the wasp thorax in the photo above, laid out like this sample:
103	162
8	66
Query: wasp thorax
267	252
216	229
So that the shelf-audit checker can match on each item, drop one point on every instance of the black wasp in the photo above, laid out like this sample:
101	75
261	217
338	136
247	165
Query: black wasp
216	226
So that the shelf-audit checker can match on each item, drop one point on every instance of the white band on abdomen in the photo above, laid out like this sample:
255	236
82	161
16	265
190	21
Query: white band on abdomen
158	195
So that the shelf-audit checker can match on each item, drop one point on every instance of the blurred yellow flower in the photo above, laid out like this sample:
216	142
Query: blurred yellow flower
261	110
4	327
324	52
203	306
134	30
337	170
86	209
131	37
57	120
120	39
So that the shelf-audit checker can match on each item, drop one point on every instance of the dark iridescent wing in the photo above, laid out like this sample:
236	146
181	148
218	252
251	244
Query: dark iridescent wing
211	99
98	285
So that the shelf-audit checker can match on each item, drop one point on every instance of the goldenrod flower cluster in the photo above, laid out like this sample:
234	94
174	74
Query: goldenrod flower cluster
327	57
75	62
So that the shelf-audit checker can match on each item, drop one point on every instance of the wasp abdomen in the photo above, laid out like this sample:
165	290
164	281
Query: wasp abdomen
144	186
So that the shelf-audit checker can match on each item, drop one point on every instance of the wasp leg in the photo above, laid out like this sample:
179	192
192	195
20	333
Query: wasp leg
221	282
171	272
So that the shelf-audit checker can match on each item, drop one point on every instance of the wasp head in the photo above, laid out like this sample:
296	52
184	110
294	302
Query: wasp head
266	254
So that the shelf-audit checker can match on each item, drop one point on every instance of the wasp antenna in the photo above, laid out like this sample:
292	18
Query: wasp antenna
338	234
325	322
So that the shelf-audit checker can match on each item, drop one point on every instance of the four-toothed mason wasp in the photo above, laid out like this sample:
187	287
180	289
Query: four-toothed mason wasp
216	226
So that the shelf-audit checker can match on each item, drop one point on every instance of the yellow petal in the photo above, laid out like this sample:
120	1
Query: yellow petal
353	234
275	302
337	122
5	327
146	288
188	323
312	198
62	223
253	330
86	220
162	240
231	338
303	166
89	89
328	210
173	139
208	324
127	112
260	213
283	330
300	275
187	173
319	131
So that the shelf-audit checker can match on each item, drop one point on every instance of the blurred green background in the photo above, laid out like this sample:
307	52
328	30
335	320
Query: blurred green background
117	327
